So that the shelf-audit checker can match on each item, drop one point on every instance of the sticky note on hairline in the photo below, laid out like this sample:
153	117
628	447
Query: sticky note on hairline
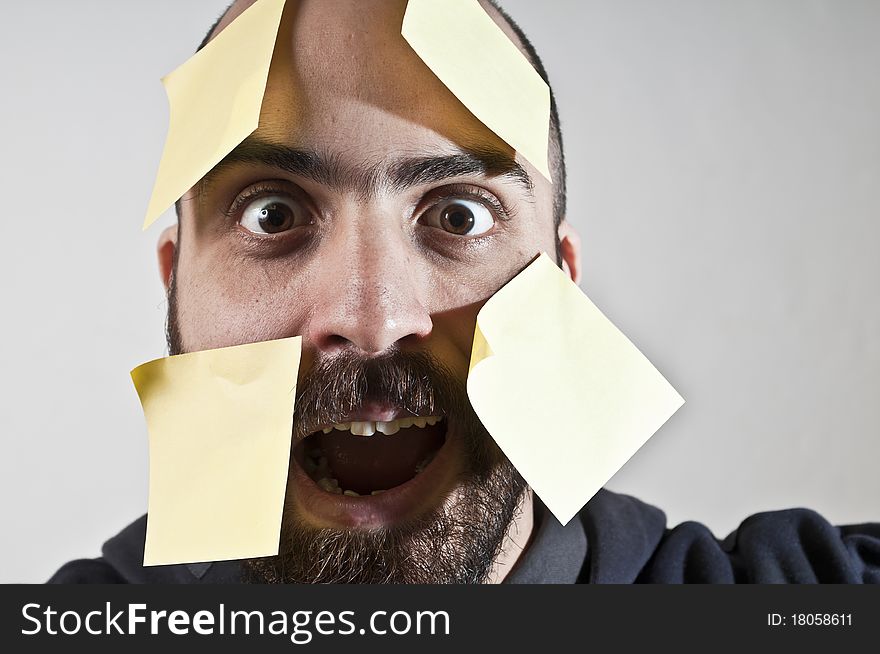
567	397
215	100
475	59
220	426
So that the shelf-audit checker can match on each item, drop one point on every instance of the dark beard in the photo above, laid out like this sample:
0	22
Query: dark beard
455	543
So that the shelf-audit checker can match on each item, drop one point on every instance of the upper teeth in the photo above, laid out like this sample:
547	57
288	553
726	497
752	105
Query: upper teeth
368	428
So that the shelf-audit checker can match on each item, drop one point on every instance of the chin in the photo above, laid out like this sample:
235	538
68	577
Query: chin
437	513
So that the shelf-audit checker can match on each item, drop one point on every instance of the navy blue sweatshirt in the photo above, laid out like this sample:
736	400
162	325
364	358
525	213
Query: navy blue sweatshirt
614	539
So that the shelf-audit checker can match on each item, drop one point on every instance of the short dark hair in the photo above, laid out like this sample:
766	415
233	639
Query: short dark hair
556	154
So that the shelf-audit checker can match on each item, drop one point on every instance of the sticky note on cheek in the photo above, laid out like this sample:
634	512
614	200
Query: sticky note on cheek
475	59
567	397
220	427
215	100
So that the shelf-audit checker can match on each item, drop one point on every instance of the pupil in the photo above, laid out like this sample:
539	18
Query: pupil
272	216
459	218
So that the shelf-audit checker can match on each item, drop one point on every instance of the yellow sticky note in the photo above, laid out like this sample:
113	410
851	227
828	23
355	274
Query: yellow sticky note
473	57
220	425
567	397
215	99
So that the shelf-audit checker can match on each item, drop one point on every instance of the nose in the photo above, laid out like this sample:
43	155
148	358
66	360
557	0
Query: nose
368	294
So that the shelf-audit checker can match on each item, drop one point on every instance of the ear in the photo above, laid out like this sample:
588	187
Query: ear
166	248
570	249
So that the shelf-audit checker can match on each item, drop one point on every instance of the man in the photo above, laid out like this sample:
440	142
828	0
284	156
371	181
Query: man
372	214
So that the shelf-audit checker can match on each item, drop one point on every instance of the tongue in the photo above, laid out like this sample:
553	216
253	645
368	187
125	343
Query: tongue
378	462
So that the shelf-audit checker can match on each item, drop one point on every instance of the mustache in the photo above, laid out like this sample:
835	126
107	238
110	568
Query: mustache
415	382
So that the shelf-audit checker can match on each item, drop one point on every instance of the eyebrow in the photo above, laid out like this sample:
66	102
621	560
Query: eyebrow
368	179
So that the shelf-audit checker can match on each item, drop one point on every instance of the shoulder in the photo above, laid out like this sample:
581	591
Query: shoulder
121	562
629	541
86	571
786	546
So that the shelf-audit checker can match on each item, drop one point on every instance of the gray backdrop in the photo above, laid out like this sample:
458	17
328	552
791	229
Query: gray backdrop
724	162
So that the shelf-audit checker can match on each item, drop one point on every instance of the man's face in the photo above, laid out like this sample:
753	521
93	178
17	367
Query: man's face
373	215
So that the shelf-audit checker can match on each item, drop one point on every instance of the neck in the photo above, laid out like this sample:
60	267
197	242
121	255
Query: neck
516	540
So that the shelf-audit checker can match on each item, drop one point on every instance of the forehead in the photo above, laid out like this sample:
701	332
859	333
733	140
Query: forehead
343	79
346	87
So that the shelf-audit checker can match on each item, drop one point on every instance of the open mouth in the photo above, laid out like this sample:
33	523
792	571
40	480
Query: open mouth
368	458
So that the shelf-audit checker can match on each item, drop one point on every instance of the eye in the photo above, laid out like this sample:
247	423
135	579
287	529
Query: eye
460	217
273	214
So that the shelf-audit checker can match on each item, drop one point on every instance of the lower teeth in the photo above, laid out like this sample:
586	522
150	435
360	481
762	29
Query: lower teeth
331	485
424	463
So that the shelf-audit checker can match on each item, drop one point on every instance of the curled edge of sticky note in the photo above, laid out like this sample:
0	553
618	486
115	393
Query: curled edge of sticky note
565	395
214	101
220	427
484	69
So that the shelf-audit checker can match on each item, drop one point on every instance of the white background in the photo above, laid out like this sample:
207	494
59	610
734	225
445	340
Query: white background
724	161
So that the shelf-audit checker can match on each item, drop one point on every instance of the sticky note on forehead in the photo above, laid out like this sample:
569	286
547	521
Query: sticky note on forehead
483	68
220	426
567	397
215	100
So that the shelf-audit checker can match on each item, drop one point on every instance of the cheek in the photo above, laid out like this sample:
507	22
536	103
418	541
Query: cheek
233	301
458	291
453	337
460	285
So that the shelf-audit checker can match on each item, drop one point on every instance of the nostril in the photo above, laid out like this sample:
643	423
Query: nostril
413	340
333	343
